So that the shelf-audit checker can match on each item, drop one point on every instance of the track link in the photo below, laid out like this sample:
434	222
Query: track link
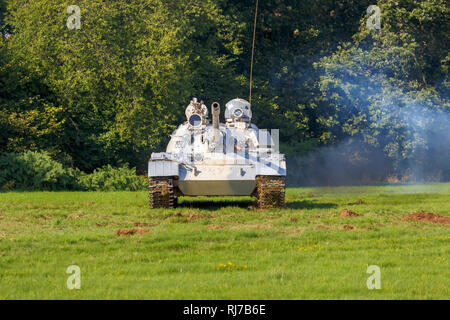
161	193
270	191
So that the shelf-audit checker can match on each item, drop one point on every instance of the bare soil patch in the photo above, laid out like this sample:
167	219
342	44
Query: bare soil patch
345	213
130	232
212	226
190	216
195	216
344	227
321	226
424	216
75	215
143	224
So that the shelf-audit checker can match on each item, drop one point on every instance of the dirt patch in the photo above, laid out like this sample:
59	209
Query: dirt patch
190	216
130	232
143	224
270	217
345	213
348	227
293	219
424	216
321	226
41	217
319	216
195	216
258	226
212	226
255	226
75	215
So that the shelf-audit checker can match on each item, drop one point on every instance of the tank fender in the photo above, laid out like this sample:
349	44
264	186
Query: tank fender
161	166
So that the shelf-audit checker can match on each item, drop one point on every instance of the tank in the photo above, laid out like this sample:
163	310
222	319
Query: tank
208	158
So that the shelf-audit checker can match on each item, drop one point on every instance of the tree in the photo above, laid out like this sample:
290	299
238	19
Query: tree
391	86
123	79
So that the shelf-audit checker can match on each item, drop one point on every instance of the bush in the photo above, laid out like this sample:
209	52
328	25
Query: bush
38	171
35	171
108	178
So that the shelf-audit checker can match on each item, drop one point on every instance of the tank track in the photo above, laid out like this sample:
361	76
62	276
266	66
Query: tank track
161	193
270	191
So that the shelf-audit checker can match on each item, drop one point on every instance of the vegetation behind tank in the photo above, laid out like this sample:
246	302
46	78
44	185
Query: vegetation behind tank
110	93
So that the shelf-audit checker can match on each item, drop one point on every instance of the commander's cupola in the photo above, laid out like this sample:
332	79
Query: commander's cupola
238	113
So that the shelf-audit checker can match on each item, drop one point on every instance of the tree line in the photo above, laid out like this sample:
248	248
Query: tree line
112	91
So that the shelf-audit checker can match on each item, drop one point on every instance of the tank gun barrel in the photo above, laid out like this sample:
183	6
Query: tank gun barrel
215	110
217	137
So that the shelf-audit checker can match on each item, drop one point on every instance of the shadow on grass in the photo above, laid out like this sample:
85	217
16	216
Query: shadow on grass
307	204
211	204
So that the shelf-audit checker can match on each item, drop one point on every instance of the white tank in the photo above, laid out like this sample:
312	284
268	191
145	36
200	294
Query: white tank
209	158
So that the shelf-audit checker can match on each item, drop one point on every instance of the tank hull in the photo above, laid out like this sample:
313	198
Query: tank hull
217	174
216	187
221	175
218	178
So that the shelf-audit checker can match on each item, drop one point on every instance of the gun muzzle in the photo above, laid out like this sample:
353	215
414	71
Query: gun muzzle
215	110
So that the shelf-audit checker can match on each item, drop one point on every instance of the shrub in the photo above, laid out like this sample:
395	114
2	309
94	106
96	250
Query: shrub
108	178
38	171
35	171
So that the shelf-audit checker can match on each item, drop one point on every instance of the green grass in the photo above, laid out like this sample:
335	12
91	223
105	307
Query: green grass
275	254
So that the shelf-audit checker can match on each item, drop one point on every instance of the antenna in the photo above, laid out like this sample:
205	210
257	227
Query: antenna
253	51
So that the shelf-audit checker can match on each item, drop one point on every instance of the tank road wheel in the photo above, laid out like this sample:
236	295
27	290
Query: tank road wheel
161	193
270	191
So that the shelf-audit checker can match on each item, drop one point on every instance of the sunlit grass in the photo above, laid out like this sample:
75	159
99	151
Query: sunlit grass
223	248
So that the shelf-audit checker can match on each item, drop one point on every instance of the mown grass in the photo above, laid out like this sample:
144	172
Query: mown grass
300	252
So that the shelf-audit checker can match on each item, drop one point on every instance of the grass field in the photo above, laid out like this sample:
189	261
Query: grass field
222	248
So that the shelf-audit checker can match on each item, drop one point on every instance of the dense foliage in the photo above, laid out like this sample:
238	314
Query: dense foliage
35	171
38	171
113	179
111	92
